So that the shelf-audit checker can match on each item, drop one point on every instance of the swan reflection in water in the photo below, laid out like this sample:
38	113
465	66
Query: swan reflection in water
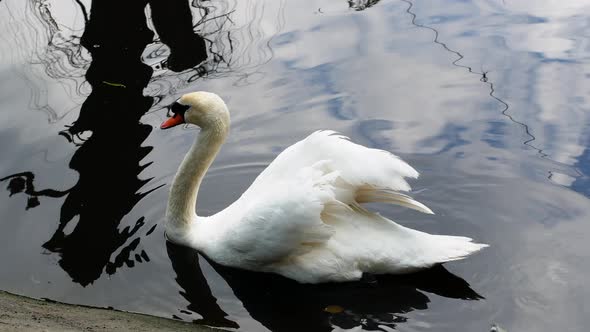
108	161
281	304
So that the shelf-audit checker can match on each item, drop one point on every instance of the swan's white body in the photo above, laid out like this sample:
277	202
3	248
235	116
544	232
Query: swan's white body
302	218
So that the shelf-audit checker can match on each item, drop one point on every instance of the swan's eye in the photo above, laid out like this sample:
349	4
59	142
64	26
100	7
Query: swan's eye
178	108
177	118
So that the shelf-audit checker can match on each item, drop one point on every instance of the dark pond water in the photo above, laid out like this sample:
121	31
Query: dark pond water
488	99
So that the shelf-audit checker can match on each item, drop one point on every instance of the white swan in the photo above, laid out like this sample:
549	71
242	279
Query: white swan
302	218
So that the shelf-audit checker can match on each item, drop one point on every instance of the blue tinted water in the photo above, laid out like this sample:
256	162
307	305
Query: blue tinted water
487	99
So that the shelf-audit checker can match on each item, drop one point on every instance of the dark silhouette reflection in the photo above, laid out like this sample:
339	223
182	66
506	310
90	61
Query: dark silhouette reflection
109	161
185	262
359	5
281	304
23	182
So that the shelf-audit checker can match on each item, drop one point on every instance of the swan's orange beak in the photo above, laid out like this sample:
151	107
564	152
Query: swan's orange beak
175	120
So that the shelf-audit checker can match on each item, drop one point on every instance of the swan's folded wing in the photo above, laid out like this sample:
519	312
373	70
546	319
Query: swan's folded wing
280	223
368	194
356	164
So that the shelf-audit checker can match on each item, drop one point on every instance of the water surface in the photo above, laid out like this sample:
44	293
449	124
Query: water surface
487	99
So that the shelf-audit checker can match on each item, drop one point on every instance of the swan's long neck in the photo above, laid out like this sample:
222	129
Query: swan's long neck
183	193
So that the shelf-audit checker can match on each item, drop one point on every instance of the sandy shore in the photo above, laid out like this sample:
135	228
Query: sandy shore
19	313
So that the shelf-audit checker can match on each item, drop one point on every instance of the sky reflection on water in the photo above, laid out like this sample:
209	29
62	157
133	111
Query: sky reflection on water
487	99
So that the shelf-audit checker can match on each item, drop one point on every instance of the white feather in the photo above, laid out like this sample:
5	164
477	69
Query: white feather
302	217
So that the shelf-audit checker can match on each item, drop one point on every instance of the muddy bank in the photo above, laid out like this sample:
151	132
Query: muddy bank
19	313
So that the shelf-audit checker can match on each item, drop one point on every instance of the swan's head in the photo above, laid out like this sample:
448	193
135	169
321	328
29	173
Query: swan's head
204	109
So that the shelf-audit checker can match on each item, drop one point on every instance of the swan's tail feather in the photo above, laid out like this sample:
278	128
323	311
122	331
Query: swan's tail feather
445	248
370	194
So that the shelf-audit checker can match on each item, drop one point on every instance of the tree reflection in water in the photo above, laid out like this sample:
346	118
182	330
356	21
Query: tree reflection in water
108	162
